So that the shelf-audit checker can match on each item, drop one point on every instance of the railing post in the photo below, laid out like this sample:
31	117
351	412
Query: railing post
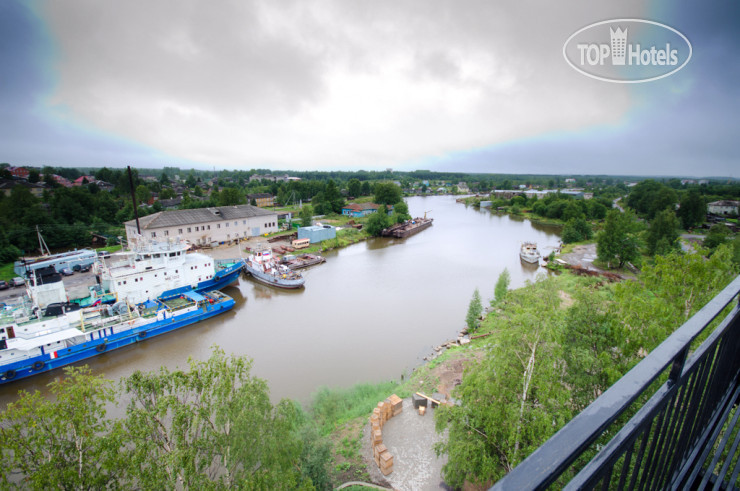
677	366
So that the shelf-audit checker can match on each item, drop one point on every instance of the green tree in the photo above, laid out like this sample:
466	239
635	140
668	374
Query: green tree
662	234
513	399
143	194
387	193
333	197
211	426
33	175
377	222
718	235
475	308
306	214
66	443
618	243
400	212
502	285
576	230
354	188
365	188
229	197
692	209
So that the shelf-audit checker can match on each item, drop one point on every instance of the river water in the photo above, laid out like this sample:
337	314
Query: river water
370	313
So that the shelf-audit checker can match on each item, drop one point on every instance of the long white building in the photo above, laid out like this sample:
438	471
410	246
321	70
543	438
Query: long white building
206	225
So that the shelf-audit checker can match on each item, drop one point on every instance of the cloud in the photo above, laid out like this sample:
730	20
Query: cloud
328	84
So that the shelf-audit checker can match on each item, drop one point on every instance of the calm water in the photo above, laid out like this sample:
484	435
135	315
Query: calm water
370	313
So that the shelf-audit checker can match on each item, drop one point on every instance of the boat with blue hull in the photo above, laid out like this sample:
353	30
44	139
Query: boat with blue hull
37	336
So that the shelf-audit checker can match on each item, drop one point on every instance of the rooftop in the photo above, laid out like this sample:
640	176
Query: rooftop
200	215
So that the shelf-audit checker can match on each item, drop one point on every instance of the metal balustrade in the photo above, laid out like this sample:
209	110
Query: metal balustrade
682	435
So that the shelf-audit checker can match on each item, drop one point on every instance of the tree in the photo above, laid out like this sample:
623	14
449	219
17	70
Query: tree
67	443
400	212
211	426
354	188
475	308
306	214
513	399
33	175
387	193
502	285
229	197
718	235
377	222
692	209
333	197
618	242
143	194
663	233
365	188
576	230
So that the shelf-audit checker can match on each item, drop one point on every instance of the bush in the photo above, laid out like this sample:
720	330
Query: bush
576	230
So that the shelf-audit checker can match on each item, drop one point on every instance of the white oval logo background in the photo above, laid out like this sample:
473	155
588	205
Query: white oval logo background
627	51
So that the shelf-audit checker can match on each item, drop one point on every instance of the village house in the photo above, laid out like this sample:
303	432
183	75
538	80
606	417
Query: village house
724	207
19	172
7	185
359	210
83	180
261	199
204	226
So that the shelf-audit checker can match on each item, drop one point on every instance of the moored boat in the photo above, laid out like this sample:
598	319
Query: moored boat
529	253
261	265
407	228
150	269
302	261
40	334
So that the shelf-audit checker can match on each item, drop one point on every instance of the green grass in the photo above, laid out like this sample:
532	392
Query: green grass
113	248
6	272
331	408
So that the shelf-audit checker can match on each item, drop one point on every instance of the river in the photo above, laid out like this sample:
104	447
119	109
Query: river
370	313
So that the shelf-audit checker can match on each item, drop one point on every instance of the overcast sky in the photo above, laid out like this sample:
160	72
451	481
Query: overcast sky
472	86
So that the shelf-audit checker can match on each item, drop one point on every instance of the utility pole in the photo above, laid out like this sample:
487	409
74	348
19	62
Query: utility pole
133	199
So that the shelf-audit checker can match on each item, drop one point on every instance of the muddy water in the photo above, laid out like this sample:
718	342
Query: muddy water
370	313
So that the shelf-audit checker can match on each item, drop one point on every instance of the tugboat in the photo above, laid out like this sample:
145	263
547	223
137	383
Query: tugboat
262	266
529	253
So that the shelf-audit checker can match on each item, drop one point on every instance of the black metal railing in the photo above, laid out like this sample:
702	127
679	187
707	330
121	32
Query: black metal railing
684	436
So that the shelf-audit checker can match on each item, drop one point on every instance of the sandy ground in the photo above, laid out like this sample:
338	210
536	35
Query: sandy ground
410	438
583	256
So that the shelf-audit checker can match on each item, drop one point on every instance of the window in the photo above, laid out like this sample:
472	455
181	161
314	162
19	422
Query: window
196	229
166	233
227	224
179	231
245	222
235	223
154	234
188	229
209	227
218	225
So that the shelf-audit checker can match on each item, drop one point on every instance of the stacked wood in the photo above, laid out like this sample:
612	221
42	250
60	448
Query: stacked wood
388	409
378	416
376	437
422	410
377	450
396	404
386	463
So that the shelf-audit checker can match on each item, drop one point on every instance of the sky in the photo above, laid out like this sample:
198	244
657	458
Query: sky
474	86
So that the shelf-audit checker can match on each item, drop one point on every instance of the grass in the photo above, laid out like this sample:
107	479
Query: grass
332	408
6	272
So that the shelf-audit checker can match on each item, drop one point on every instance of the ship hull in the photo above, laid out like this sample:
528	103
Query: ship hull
271	280
108	339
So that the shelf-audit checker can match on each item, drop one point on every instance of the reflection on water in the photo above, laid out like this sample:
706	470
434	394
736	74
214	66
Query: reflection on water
370	313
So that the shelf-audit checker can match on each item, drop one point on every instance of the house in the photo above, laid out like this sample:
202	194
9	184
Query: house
206	225
62	181
19	172
724	207
317	233
7	185
171	204
262	199
359	210
82	180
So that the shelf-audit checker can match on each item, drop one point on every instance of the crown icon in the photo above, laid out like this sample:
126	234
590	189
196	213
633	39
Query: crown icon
619	45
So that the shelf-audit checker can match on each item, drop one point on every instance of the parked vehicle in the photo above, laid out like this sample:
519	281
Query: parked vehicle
18	281
85	268
67	272
4	285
